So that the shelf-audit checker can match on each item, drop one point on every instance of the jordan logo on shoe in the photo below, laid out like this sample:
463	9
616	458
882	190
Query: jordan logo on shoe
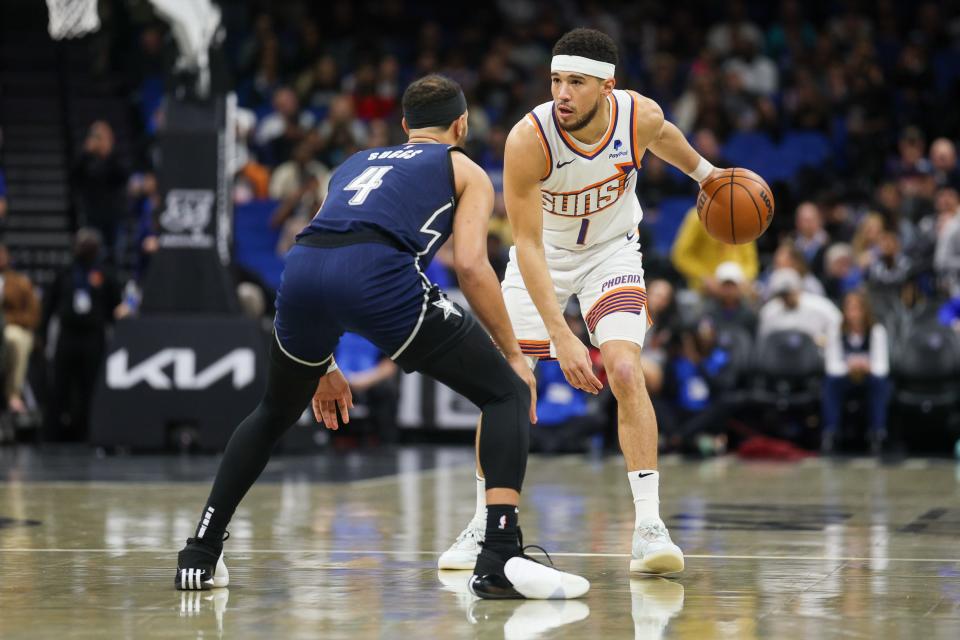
503	522
641	474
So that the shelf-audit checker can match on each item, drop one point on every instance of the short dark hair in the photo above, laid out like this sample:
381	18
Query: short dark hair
588	43
430	90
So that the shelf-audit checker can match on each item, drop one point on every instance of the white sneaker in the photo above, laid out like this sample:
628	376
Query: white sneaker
654	551
537	581
463	553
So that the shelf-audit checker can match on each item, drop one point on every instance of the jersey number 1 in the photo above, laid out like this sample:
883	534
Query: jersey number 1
363	184
582	236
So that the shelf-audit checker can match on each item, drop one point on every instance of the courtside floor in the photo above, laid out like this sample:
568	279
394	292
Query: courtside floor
345	545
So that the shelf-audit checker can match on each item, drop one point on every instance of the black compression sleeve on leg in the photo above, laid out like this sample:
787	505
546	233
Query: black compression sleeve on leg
290	386
474	368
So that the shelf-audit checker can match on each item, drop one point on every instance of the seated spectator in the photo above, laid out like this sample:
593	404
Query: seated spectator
809	236
300	185
866	240
3	199
729	306
891	270
21	315
787	256
283	128
943	159
791	308
319	84
697	255
250	178
373	381
946	258
857	356
842	275
341	133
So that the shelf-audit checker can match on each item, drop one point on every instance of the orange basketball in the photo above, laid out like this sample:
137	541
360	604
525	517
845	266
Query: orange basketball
735	206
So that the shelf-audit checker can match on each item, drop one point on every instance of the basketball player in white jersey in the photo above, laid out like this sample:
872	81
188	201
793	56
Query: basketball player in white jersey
570	176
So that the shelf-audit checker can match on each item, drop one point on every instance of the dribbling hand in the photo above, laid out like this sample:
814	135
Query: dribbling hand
333	391
575	363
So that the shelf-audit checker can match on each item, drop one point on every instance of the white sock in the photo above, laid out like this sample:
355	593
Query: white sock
645	485
481	513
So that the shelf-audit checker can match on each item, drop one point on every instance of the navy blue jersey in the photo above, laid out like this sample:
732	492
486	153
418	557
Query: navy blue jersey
406	192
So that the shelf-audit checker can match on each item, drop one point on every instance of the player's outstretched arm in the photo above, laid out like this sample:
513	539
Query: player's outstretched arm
478	280
523	166
667	142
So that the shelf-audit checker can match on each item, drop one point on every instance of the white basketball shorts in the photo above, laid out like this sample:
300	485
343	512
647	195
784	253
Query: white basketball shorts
608	282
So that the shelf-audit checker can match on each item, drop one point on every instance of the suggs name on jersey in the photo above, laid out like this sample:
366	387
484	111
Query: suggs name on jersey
400	154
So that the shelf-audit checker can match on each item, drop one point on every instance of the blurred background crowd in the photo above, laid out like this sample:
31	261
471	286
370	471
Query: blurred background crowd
828	333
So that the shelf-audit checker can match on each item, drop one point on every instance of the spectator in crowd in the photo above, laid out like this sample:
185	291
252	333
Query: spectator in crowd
723	35
145	196
341	133
3	199
99	180
788	256
21	316
320	83
283	128
809	236
758	74
857	355
250	178
943	159
300	185
866	240
86	299
891	270
842	275
729	307
696	255
373	381
946	259
793	309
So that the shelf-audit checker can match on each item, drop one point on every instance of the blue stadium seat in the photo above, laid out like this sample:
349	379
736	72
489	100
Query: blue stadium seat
751	150
667	221
255	243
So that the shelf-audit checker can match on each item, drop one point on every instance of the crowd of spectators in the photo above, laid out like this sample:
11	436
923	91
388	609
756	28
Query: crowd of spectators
874	84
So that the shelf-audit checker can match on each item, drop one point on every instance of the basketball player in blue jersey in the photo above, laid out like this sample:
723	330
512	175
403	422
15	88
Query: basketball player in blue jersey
570	176
358	267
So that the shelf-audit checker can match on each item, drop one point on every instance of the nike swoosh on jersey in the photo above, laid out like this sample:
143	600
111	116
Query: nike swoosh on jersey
560	165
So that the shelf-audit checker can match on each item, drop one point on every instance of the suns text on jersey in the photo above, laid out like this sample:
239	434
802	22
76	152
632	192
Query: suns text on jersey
589	200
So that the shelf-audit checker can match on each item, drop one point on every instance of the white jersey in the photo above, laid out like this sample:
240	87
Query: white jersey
589	192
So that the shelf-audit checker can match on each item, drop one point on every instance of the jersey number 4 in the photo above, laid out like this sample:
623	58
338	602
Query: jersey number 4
363	184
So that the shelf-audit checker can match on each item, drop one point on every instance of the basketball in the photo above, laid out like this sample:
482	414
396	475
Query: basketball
735	206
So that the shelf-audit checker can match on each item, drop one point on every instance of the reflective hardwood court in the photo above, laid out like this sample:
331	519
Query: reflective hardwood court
345	546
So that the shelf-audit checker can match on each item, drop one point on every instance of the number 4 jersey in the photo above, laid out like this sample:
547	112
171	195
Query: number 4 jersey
588	192
405	192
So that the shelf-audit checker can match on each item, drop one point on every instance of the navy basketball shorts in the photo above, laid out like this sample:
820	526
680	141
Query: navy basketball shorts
371	289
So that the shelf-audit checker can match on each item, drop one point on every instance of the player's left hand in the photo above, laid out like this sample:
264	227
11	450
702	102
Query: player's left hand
333	391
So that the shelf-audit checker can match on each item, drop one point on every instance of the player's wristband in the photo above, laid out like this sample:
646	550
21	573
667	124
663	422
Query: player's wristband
702	171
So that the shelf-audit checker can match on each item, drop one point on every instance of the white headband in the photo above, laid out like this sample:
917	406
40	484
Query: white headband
579	64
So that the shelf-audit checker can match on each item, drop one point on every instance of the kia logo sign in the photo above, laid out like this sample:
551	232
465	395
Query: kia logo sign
239	364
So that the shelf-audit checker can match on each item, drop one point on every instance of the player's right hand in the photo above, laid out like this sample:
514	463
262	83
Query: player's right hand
522	368
333	390
574	358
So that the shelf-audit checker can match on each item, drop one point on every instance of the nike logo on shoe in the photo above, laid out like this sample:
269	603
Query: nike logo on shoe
560	165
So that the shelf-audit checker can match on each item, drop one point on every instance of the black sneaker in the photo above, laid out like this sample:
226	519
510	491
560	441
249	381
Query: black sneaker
521	576
200	566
